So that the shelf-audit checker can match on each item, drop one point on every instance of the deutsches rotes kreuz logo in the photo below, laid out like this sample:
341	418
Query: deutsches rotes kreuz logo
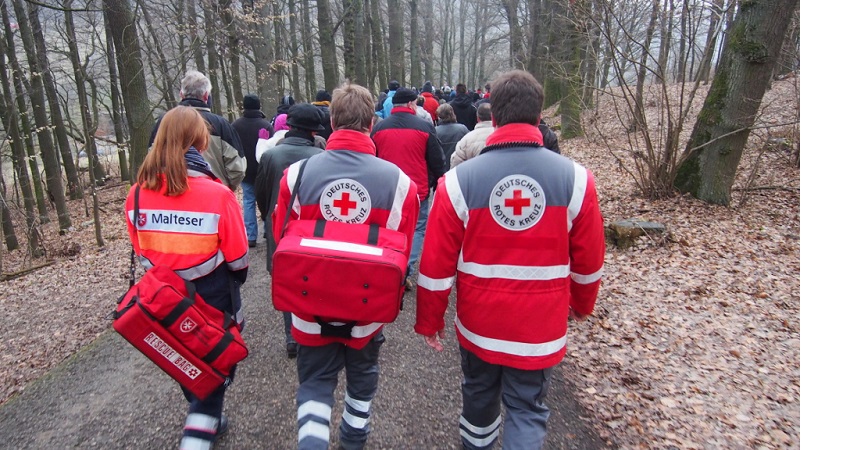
517	202
346	201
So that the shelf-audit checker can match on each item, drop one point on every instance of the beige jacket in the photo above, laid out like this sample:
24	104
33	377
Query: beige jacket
471	145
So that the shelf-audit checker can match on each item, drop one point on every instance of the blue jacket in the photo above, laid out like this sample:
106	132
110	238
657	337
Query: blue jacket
388	106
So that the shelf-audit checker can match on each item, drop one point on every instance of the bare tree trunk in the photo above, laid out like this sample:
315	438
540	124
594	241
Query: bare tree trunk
396	15
294	57
195	42
715	12
212	57
9	114
571	105
379	50
348	39
117	103
415	63
8	228
666	28
310	85
167	81
683	39
535	56
230	107
74	187
228	17
789	55
730	17
266	66
327	46
514	31
88	129
45	139
132	77
427	49
639	119
723	126
361	44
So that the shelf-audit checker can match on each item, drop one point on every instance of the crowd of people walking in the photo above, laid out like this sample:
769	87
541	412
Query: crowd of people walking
469	179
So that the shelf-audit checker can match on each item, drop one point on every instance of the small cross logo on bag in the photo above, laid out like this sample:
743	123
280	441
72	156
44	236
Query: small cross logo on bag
188	325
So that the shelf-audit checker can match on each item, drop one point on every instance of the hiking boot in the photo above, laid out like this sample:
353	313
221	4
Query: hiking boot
222	427
291	350
252	244
409	285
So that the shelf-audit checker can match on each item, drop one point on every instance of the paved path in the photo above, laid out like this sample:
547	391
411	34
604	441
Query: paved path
109	396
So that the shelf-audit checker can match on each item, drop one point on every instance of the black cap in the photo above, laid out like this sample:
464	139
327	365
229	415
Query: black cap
427	87
404	95
305	117
393	85
251	101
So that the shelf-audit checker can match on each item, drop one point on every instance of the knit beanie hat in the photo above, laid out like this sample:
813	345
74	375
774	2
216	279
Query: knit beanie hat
427	87
251	101
393	85
403	95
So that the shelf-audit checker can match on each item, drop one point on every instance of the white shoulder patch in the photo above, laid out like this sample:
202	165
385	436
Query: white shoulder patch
517	202
345	200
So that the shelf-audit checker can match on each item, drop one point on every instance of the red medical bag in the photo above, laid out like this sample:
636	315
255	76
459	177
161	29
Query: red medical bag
168	322
339	271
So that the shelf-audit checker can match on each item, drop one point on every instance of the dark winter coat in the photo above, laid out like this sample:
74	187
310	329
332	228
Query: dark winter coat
267	184
465	111
449	135
550	139
248	128
324	108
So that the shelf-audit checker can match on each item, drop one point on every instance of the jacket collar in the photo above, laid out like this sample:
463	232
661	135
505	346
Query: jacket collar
484	124
253	114
515	133
354	141
403	109
194	102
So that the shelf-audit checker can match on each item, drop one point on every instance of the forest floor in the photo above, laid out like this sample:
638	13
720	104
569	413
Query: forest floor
695	341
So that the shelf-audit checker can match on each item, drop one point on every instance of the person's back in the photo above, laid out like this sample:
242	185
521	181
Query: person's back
463	107
345	183
323	102
248	129
410	143
516	222
191	223
225	154
449	132
386	109
475	141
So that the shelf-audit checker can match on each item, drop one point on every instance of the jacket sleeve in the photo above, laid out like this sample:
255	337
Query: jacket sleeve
459	155
234	239
435	158
438	264
262	191
550	139
587	244
409	215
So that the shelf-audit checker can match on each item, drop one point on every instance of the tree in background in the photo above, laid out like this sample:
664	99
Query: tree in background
725	121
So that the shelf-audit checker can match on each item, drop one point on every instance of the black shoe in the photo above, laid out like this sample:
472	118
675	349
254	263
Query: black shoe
222	426
291	350
252	244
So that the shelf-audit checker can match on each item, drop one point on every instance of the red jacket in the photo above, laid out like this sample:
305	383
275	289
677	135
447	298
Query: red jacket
199	234
345	171
520	228
410	143
431	105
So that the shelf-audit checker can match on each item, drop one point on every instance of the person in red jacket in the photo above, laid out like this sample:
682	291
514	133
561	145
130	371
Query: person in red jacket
431	103
191	223
519	231
345	183
412	145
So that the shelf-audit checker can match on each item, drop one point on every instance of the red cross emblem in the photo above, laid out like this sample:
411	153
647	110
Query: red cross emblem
517	202
345	203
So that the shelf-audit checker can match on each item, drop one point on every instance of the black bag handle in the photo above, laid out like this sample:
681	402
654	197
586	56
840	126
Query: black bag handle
294	193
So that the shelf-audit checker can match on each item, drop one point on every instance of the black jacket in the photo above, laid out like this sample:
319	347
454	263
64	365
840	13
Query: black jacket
248	128
465	111
550	139
267	184
449	135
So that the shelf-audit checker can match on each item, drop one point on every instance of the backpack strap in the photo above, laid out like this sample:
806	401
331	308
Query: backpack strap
292	198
